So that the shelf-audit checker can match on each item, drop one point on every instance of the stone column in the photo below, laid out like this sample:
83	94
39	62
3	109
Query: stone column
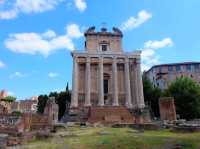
100	79
140	85
115	83
134	86
87	82
127	84
74	101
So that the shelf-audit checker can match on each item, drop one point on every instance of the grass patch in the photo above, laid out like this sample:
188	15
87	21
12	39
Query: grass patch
112	138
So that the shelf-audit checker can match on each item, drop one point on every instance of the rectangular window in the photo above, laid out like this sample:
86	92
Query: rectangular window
170	68
188	67
178	68
104	47
196	66
160	69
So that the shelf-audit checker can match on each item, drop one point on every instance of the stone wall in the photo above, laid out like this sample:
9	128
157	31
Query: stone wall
3	109
167	108
36	122
110	115
10	124
51	110
3	141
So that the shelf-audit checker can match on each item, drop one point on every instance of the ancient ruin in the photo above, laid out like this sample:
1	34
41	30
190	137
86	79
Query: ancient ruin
24	126
167	109
105	76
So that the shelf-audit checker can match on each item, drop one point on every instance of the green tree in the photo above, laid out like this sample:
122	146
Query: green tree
151	96
63	99
10	99
42	100
186	93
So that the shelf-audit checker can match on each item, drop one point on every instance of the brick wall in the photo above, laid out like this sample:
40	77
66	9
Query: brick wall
167	108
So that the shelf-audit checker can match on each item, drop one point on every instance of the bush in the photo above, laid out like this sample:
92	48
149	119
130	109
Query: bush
186	93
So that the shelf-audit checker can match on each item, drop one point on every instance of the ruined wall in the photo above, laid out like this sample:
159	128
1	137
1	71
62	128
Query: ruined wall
167	108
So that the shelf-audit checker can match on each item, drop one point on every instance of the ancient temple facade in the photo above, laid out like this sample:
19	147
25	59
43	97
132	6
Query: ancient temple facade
105	75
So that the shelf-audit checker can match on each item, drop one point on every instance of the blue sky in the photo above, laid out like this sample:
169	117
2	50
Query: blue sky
36	37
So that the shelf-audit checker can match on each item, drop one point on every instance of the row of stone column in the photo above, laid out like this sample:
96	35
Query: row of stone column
137	85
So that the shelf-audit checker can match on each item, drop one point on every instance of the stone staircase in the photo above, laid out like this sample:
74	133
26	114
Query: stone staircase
110	114
76	115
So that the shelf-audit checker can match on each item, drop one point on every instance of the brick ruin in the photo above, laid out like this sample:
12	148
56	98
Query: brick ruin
21	127
167	108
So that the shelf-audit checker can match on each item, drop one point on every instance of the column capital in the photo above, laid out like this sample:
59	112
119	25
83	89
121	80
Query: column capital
137	60
88	59
126	60
114	57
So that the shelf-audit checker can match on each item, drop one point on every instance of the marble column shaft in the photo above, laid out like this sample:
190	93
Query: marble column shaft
87	82
100	79
127	84
74	102
115	83
140	87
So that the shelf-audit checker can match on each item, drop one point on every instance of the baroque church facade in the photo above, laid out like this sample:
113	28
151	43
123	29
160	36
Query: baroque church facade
104	75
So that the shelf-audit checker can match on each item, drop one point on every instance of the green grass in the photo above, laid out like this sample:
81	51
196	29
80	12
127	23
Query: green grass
115	138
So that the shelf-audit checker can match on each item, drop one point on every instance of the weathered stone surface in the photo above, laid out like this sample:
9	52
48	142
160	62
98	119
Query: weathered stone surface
167	108
3	141
110	114
102	74
106	76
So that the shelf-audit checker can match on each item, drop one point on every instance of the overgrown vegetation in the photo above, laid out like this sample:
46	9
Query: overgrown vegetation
186	93
62	99
151	96
10	99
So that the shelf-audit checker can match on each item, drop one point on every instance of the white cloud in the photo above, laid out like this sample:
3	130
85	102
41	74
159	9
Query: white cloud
2	64
53	75
43	43
29	6
73	31
9	14
134	22
49	34
149	56
80	5
17	74
26	6
158	44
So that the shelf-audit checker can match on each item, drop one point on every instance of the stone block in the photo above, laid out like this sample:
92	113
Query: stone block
167	108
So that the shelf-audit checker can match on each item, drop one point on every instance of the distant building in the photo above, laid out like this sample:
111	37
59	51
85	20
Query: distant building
24	106
3	94
34	98
162	75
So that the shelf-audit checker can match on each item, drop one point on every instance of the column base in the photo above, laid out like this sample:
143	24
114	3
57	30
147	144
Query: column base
101	104
73	106
129	105
115	104
141	106
87	105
